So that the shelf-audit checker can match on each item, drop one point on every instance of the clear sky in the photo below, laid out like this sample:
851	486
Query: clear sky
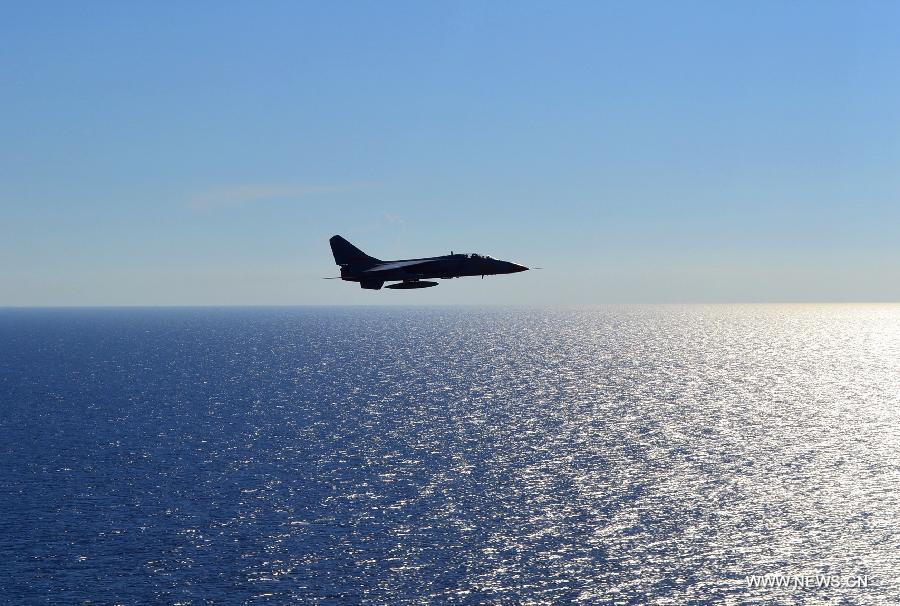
204	152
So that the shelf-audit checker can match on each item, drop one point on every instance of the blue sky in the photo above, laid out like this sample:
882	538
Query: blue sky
203	153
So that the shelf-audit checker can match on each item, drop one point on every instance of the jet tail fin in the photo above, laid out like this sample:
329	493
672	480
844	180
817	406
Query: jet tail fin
347	254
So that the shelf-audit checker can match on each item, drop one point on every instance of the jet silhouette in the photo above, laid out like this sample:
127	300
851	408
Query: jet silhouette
372	273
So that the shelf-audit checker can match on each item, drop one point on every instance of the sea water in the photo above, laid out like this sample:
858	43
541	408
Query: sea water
620	455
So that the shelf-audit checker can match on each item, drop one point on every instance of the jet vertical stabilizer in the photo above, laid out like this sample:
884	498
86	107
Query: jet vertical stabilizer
347	254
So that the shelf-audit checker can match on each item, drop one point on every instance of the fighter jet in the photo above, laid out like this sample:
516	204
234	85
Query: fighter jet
372	273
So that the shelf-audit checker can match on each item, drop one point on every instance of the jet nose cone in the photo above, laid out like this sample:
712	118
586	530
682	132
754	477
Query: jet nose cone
515	268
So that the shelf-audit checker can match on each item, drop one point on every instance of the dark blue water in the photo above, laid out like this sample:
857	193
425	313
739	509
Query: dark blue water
462	455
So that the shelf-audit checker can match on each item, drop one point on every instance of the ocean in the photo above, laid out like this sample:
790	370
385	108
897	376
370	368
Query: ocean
457	455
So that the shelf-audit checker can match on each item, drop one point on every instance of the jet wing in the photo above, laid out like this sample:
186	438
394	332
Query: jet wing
397	265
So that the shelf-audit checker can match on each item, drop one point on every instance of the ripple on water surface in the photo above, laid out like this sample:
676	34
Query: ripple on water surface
391	455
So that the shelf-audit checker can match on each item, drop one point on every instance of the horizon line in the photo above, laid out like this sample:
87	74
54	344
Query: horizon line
524	305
